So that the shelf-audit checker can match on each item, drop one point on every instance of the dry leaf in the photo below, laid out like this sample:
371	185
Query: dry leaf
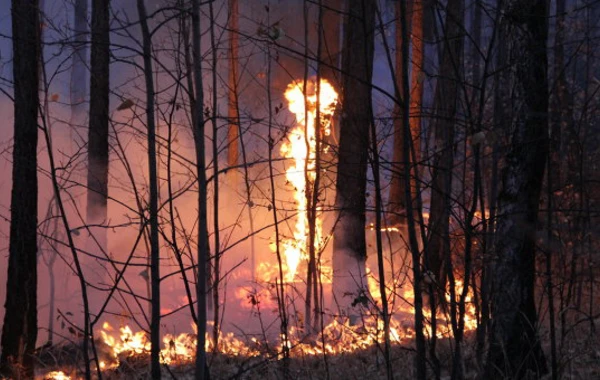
127	103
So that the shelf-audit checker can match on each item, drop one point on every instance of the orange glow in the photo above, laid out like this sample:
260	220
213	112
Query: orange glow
338	335
56	375
301	148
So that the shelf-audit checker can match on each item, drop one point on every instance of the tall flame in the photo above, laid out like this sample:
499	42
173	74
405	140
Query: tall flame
302	149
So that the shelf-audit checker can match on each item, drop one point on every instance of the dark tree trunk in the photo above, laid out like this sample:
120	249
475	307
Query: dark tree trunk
349	245
501	117
561	109
19	331
79	69
153	185
446	104
203	247
98	130
515	350
97	175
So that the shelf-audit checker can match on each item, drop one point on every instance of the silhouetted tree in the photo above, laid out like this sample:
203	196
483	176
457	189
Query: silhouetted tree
19	331
97	175
515	350
349	244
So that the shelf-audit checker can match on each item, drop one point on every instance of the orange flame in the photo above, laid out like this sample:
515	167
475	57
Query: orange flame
301	148
56	375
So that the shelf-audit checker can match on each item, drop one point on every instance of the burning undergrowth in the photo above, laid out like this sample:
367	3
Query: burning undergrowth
275	290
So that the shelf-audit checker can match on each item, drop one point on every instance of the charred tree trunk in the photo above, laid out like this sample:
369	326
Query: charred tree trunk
515	350
97	175
349	245
19	331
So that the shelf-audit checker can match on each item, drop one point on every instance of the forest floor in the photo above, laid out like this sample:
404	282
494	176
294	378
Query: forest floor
579	358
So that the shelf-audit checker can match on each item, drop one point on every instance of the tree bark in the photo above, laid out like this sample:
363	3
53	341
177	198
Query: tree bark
396	206
19	331
97	175
515	350
417	79
349	245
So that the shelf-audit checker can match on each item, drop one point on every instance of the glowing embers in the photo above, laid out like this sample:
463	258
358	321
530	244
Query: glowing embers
302	148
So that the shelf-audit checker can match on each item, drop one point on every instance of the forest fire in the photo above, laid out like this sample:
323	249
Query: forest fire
301	147
339	335
174	207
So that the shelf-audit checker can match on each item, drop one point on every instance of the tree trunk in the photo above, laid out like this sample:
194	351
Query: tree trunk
349	245
417	80
446	104
153	185
79	69
97	176
19	331
396	206
502	117
515	350
203	254
233	135
98	129
561	107
329	55
216	274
